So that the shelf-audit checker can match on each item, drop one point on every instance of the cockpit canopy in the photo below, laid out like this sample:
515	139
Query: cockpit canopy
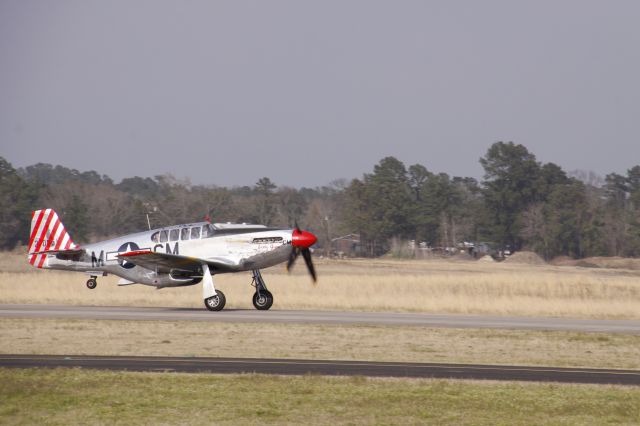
198	231
184	232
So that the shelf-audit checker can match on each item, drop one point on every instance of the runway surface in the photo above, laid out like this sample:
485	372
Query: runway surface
328	368
319	317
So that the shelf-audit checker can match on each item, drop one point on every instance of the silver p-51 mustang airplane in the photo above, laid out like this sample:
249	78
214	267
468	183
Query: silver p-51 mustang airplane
173	256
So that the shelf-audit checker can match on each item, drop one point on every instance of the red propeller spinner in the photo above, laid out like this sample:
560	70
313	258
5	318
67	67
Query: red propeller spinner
303	239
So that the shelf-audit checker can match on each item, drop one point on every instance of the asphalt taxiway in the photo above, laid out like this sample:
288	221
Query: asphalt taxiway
319	317
325	368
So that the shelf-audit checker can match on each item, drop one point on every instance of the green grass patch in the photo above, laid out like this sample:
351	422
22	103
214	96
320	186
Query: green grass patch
64	396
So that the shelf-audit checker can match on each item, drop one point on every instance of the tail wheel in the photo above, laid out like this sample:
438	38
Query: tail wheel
215	303
262	300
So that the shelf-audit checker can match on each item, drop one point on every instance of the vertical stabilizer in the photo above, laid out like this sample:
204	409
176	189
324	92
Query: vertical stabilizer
47	234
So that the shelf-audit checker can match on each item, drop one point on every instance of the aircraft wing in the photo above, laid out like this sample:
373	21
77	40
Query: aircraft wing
166	262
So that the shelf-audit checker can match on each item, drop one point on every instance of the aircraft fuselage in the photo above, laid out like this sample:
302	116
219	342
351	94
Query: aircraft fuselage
238	247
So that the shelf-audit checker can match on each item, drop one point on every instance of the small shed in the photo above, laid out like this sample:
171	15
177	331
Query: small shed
346	245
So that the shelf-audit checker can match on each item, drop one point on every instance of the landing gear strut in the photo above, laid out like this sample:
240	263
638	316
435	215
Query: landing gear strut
92	282
213	300
262	298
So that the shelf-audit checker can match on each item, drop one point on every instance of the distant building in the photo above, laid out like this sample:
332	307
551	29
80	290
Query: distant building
346	246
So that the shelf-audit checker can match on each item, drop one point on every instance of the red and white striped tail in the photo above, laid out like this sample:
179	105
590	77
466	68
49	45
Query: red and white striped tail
47	234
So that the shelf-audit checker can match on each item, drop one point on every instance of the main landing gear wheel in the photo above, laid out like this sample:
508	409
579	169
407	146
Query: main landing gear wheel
215	303
262	300
92	283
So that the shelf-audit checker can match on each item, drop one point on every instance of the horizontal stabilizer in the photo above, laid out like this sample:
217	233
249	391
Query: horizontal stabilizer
69	252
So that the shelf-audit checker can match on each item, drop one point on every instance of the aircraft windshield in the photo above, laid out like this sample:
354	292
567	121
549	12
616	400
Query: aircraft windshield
207	231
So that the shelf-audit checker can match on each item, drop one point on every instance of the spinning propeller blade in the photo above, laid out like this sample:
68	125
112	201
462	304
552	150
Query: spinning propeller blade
306	254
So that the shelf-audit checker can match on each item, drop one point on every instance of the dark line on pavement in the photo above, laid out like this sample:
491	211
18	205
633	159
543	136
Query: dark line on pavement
325	368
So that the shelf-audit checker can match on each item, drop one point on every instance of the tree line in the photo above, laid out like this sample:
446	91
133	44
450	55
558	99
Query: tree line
520	203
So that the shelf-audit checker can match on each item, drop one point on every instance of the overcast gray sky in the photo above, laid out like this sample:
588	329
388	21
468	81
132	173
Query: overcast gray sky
225	92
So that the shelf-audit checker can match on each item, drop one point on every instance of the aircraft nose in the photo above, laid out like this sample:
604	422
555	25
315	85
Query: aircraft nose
303	239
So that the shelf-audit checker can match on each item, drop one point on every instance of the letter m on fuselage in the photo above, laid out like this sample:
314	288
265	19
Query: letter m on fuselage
175	249
97	261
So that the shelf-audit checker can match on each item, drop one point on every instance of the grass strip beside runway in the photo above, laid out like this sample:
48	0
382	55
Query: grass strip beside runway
64	396
317	341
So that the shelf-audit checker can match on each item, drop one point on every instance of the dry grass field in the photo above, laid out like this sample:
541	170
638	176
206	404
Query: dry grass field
437	286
